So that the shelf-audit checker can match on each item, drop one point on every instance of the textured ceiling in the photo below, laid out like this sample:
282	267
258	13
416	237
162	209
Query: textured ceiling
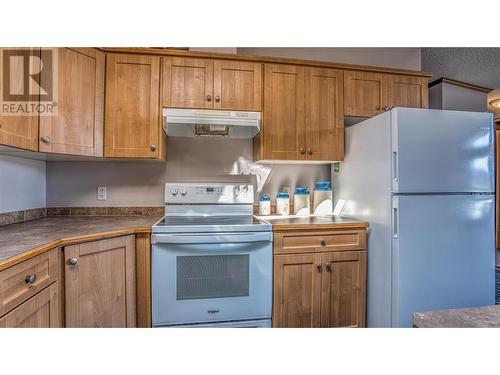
480	66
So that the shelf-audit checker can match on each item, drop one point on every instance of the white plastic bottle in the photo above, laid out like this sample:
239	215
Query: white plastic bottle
283	204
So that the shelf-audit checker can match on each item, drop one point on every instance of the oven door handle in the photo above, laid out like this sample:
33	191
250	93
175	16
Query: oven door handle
211	238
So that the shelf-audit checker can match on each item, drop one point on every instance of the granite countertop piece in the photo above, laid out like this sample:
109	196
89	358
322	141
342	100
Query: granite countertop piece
312	222
471	317
20	241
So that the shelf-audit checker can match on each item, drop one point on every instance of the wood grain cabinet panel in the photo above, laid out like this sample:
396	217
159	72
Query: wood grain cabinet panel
187	82
237	85
314	287
132	116
324	114
405	91
19	131
40	311
283	135
343	289
365	93
77	129
297	291
101	284
24	280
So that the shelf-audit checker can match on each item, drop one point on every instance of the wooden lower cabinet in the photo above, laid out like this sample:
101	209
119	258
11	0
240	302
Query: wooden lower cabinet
319	289
40	311
100	283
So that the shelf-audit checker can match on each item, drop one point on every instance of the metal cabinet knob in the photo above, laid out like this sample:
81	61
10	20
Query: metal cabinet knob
217	98
386	108
302	151
209	98
309	151
30	279
72	261
328	266
318	267
152	147
45	139
322	242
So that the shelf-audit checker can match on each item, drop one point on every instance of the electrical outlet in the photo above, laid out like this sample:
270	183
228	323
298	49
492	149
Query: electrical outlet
102	193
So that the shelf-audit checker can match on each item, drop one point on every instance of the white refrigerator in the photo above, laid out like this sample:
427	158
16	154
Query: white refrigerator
425	181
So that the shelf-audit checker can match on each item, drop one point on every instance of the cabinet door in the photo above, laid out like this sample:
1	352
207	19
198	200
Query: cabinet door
187	82
365	93
100	283
40	311
77	128
404	91
324	114
297	291
132	114
283	135
343	289
18	131
237	85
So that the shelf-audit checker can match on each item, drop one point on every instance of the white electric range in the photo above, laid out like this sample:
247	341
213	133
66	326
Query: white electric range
211	258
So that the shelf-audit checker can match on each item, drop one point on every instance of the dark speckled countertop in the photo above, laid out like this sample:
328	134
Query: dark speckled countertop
19	241
471	317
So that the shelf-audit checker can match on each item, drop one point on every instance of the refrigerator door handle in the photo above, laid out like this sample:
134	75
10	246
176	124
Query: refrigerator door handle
395	222
395	166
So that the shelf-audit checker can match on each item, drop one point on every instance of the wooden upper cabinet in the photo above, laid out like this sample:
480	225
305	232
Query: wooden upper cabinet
365	93
406	91
187	82
100	283
324	114
237	85
19	131
283	130
40	311
77	128
132	115
343	289
297	291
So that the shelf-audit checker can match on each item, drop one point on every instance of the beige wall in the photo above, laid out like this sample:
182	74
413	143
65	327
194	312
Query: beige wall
22	183
403	58
142	183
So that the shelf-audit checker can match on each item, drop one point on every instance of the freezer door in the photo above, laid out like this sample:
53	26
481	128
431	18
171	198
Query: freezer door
435	151
443	253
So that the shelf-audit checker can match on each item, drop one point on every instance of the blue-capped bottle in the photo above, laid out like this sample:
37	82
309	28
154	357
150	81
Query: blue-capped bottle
264	205
301	201
322	198
283	204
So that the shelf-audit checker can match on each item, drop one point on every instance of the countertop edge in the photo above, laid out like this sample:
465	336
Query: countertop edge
28	254
288	227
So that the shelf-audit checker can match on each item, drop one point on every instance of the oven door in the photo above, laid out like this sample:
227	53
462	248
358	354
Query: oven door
209	277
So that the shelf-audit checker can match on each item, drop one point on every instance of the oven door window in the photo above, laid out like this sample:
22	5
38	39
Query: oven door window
213	276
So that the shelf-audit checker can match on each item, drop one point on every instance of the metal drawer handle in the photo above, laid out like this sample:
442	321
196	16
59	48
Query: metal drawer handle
45	139
152	147
73	261
309	151
318	267
302	151
30	279
328	266
322	242
209	98
217	99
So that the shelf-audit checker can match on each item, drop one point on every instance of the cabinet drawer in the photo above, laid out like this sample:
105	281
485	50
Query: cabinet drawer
20	282
314	241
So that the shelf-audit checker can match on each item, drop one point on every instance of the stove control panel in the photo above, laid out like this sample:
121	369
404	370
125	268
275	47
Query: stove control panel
187	193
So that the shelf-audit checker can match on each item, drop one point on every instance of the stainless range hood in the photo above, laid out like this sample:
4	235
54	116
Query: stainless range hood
207	122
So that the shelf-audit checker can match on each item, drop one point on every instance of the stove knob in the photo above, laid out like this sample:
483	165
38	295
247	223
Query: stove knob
174	191
236	190
245	189
183	192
